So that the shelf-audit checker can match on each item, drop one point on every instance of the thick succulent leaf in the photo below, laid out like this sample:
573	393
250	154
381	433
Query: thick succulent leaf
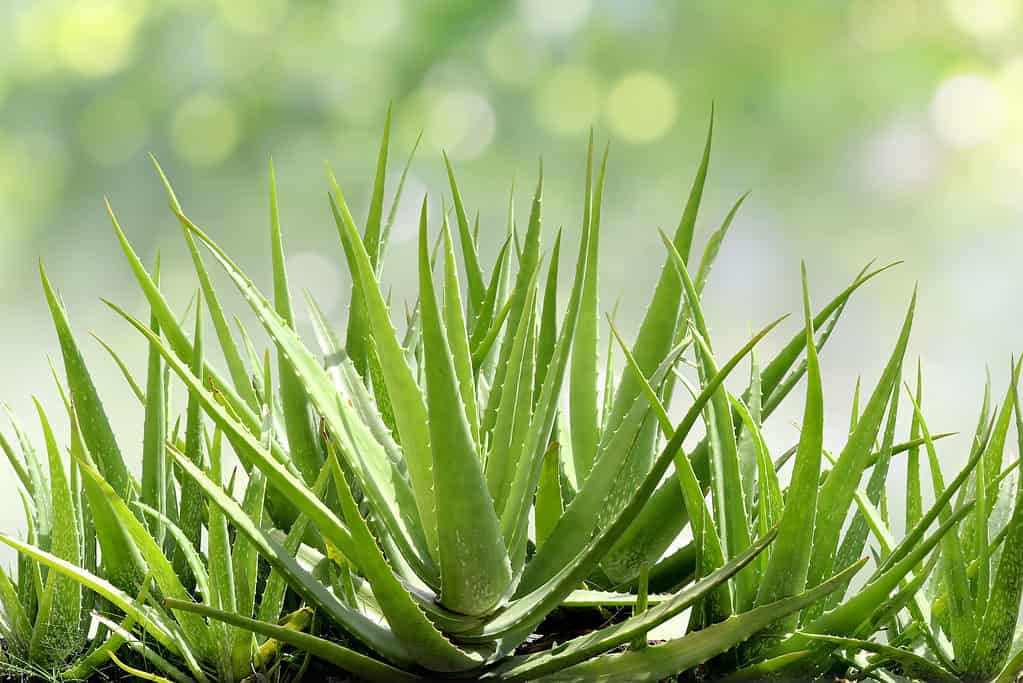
302	444
729	508
599	498
470	259
96	429
508	439
843	479
790	556
961	614
235	366
474	568
845	619
548	336
154	461
682	654
375	636
407	621
458	339
154	623
532	607
366	668
376	473
159	567
907	663
584	647
583	392
998	624
914	490
407	401
529	260
57	621
190	509
550	503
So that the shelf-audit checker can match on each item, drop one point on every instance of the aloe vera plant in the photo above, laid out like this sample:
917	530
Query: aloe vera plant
459	496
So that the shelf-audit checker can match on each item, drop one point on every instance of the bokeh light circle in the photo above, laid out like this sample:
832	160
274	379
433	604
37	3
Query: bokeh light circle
206	129
641	107
461	122
568	99
968	109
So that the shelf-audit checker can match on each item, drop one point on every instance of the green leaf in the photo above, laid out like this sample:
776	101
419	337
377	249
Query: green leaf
998	624
458	339
474	568
378	476
729	508
790	556
682	654
56	633
179	342
302	445
154	461
843	479
406	399
583	393
470	259
550	503
344	658
96	429
582	648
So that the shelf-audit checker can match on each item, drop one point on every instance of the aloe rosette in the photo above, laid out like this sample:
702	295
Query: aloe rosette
440	498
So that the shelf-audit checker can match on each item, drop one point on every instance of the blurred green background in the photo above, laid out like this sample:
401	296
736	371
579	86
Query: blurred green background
889	129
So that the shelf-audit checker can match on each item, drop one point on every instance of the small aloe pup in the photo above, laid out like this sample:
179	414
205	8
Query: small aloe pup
458	495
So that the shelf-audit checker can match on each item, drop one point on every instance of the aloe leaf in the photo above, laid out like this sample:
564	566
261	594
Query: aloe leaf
584	647
845	619
914	490
302	445
789	563
470	259
855	538
96	429
190	507
154	462
376	473
221	564
729	508
657	331
598	495
529	260
458	340
998	623
196	563
385	234
427	645
407	402
583	394
474	567
507	441
378	637
841	483
125	372
56	623
550	504
910	665
961	620
358	333
682	654
537	603
152	620
344	658
547	337
235	366
161	569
